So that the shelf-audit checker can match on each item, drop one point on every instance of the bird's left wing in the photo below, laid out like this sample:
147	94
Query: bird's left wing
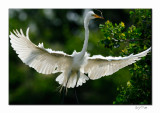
42	60
99	66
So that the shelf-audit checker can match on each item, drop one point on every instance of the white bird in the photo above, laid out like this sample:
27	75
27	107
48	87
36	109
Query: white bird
73	67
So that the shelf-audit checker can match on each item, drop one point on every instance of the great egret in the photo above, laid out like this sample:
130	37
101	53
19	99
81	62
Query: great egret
73	67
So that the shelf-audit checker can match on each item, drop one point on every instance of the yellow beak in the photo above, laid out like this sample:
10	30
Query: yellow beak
96	16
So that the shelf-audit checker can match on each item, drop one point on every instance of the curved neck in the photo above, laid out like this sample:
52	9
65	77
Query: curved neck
86	23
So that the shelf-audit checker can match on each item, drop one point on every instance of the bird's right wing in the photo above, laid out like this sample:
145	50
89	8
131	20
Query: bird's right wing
99	66
42	60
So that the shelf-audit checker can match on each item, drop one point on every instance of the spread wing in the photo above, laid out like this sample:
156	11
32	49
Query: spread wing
99	66
42	60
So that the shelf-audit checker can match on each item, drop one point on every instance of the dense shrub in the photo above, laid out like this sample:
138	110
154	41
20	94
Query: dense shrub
136	38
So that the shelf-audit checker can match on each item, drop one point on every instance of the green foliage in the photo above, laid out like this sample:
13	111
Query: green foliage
137	38
110	31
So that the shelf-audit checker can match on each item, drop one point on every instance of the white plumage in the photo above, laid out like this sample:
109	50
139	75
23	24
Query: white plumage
73	66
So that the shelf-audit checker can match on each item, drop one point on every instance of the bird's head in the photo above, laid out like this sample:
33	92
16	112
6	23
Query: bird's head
91	15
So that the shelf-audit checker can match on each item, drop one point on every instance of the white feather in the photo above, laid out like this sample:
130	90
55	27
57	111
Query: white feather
41	59
99	66
46	61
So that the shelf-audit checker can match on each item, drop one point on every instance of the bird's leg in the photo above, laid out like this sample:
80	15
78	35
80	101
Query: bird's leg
68	80
76	95
64	92
65	89
78	75
62	102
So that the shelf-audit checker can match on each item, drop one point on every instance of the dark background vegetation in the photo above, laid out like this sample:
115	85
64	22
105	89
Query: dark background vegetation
62	29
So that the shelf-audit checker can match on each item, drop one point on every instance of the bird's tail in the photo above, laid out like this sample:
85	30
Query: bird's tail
71	80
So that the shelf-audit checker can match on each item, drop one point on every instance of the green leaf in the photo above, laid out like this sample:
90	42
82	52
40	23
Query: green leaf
131	12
